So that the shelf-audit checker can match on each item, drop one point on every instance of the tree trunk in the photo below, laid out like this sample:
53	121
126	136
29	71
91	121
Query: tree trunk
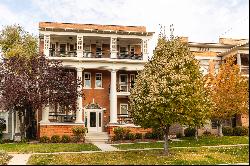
166	132
196	133
220	134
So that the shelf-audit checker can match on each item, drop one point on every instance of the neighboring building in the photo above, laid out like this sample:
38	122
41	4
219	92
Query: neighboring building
211	55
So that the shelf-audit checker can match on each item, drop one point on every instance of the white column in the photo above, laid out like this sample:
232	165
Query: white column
113	98
45	114
144	49
79	99
113	47
79	46
46	45
239	61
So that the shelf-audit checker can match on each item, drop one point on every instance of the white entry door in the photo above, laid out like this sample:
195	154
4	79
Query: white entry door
94	120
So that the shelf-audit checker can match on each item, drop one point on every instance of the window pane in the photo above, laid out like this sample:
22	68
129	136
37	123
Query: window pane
124	109
92	119
123	78
87	81
98	80
100	119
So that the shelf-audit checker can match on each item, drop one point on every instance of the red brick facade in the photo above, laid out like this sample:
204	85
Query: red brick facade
50	130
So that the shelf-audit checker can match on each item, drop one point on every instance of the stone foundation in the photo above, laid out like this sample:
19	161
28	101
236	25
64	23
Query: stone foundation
57	129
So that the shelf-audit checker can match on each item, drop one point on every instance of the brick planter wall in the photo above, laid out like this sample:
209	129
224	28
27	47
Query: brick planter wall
174	129
50	130
110	129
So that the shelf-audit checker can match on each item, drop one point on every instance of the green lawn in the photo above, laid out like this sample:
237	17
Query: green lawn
149	157
4	158
44	148
190	142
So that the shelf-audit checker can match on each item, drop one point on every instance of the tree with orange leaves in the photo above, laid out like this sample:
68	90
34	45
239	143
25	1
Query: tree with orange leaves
229	92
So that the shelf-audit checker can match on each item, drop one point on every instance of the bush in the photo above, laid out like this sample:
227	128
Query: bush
227	131
65	139
178	135
240	131
157	134
120	133
206	133
55	139
44	139
148	135
189	132
130	136
79	133
138	135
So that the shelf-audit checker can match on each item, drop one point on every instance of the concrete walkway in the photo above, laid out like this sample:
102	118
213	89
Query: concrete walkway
19	159
105	147
22	159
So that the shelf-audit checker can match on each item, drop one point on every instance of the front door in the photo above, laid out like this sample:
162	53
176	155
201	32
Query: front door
94	120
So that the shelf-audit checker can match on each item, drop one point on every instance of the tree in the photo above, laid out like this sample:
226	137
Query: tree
229	92
28	85
169	90
14	40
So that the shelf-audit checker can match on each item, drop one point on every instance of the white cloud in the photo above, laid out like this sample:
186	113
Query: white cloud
200	20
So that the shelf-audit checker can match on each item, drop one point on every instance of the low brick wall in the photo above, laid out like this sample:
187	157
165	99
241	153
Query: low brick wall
110	129
174	129
50	130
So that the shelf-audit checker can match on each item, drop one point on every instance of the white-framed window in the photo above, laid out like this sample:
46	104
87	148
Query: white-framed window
123	81
124	109
4	121
98	80
87	80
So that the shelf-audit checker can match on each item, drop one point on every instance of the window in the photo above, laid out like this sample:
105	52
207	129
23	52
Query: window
4	121
214	124
132	80
98	80
132	50
62	48
123	82
123	50
71	47
87	80
99	50
124	109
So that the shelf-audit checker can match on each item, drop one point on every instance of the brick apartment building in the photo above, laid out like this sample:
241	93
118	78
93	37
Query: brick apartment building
107	59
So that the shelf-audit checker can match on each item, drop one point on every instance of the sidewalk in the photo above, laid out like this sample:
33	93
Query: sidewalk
22	159
19	159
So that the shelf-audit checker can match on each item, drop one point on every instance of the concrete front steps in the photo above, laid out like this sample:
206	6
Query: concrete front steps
100	137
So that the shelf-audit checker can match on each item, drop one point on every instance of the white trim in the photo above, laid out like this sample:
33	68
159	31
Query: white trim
5	116
84	80
94	34
61	124
95	81
98	88
121	106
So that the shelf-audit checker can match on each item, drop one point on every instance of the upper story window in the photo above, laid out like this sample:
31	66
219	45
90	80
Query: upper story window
98	80
87	80
132	50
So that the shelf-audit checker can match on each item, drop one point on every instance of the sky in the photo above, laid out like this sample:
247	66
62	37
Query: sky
199	20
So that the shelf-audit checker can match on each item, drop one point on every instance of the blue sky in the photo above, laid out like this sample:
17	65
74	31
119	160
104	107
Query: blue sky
200	20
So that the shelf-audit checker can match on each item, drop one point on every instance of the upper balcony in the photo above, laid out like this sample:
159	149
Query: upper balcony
60	40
